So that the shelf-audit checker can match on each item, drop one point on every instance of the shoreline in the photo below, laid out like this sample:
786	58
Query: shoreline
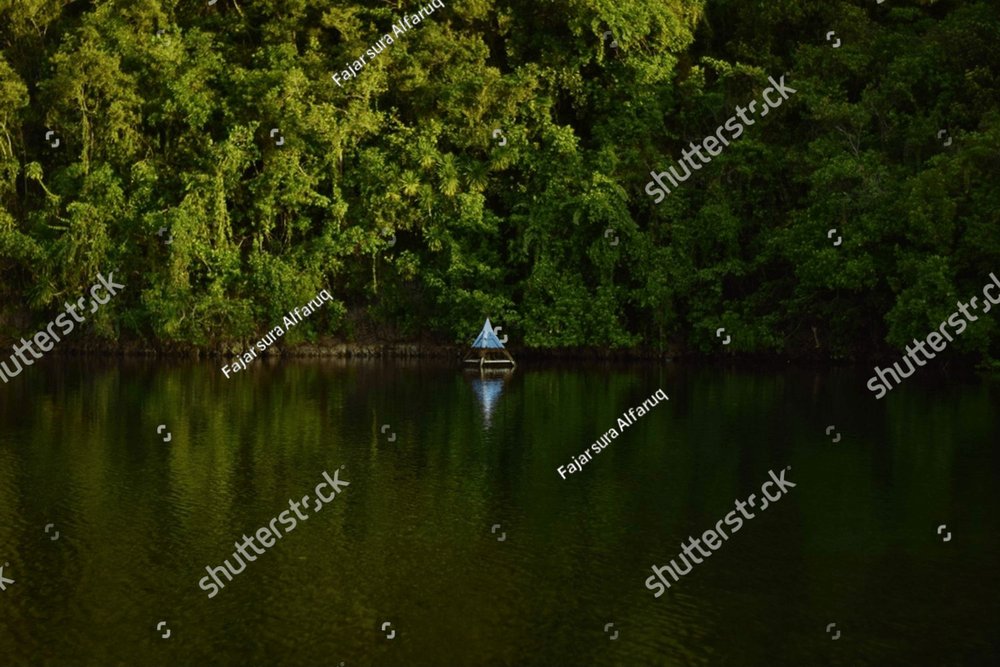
334	349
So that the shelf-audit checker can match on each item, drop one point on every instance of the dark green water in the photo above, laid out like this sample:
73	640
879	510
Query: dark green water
409	541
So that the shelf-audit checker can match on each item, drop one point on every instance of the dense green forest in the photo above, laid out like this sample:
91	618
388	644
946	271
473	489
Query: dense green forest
393	190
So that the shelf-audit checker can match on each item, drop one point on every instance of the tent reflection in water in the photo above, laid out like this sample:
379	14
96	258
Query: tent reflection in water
487	388
487	345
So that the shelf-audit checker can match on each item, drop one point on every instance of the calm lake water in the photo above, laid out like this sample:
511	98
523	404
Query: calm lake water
411	541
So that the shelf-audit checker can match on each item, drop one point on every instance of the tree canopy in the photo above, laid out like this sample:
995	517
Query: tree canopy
395	190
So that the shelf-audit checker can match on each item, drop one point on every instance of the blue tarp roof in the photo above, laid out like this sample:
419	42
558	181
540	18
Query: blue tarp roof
487	339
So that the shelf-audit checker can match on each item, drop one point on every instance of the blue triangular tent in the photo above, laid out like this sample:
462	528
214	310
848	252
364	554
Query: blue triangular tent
487	339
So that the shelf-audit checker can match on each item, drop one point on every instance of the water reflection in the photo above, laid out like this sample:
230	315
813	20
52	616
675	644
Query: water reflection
411	541
487	385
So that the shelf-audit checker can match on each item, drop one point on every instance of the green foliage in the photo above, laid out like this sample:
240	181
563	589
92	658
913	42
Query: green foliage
165	113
